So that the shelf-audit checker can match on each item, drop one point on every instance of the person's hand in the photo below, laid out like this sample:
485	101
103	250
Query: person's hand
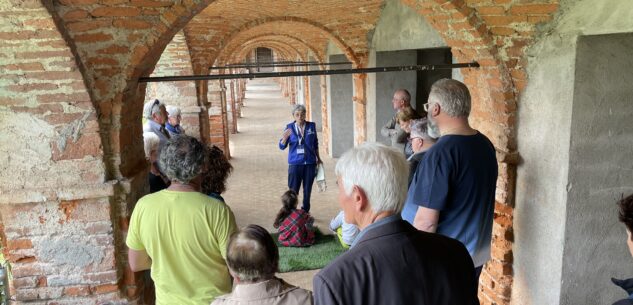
285	135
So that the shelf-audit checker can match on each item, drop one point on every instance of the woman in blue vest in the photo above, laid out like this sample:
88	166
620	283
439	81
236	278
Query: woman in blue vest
303	156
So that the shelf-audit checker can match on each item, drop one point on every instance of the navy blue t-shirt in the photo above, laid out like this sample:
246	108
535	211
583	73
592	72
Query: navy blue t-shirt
458	177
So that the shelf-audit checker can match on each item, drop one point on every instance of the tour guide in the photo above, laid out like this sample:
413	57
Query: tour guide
303	155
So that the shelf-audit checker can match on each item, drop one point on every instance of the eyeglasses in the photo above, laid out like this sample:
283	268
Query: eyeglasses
411	139
426	106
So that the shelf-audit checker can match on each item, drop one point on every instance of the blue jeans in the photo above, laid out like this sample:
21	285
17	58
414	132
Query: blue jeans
298	174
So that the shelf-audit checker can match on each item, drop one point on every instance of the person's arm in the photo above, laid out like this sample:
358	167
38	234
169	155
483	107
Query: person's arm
323	294
139	260
283	142
388	129
336	221
426	219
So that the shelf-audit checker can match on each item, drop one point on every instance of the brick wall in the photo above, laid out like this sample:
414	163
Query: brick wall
57	230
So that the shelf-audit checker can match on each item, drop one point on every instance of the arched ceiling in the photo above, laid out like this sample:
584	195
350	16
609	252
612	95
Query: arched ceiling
226	23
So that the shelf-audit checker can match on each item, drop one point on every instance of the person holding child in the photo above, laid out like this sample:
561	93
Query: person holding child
295	226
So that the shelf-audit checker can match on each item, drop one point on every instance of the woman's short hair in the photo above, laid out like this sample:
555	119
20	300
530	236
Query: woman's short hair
172	111
150	143
380	171
298	107
626	212
252	254
182	158
407	114
217	171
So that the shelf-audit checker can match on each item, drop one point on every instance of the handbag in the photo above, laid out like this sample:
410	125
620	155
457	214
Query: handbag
320	177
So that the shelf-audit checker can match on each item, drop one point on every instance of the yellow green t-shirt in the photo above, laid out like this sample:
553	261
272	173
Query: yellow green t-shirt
185	234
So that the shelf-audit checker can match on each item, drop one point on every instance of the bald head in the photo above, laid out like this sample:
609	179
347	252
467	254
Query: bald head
401	99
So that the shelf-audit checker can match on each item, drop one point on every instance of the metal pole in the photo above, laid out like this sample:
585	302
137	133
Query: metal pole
308	73
279	64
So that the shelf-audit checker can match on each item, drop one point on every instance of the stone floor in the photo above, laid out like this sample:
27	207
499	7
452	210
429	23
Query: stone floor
261	169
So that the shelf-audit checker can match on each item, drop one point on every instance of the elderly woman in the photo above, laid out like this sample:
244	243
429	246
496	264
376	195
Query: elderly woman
156	115
173	121
303	156
166	227
404	118
421	141
253	258
157	181
218	170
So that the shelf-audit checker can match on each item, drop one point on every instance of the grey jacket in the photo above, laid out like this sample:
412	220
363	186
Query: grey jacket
392	131
394	263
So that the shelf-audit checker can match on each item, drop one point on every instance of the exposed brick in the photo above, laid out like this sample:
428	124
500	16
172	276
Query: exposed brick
43	54
19	244
76	291
76	14
101	289
520	9
114	49
151	3
83	26
132	24
62	97
90	38
31	66
115	12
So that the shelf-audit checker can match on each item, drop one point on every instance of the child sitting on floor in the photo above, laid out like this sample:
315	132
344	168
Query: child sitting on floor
346	232
295	226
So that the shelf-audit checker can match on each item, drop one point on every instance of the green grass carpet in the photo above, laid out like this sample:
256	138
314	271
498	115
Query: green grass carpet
317	256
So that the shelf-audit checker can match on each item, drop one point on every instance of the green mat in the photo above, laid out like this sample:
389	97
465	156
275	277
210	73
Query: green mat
317	256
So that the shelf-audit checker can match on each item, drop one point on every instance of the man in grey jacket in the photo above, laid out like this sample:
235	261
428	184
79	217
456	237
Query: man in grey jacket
390	262
401	99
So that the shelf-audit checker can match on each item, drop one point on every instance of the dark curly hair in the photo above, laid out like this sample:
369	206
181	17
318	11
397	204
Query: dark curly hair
217	171
626	212
289	200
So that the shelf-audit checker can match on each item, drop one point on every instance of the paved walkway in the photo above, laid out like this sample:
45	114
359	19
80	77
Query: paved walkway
260	172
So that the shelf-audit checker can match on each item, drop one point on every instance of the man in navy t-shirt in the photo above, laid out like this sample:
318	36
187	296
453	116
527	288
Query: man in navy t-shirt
454	186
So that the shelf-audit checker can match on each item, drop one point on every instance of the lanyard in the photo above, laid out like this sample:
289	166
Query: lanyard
299	132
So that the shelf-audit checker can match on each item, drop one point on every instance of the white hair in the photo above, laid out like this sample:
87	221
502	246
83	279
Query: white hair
380	171
150	143
298	107
452	95
151	108
173	111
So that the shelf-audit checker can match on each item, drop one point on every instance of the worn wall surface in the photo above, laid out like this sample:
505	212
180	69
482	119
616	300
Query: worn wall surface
340	111
402	28
55	211
552	127
600	170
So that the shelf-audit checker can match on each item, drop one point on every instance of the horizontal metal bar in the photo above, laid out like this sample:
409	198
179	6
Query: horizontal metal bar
308	73
288	64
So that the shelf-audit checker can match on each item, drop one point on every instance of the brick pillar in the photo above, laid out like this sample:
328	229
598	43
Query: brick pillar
360	108
234	110
306	96
324	114
217	115
292	85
